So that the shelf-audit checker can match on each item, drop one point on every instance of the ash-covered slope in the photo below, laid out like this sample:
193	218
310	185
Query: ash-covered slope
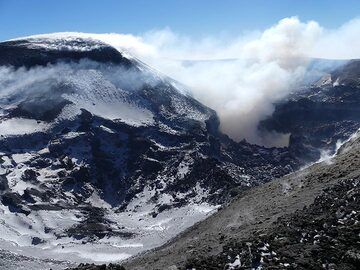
101	157
306	220
319	115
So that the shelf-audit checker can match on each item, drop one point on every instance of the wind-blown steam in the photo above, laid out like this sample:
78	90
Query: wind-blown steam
106	91
243	76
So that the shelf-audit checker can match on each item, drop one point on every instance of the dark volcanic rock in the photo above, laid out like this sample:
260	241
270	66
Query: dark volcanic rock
98	267
3	183
320	115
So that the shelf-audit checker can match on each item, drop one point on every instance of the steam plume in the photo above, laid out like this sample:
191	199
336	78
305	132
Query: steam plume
241	77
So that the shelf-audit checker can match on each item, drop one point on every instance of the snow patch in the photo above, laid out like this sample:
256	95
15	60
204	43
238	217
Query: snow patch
21	126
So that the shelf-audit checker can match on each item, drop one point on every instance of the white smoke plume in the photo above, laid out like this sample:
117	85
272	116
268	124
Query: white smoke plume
241	77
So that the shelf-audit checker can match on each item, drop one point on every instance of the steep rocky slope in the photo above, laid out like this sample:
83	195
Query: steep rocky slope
102	157
319	115
306	220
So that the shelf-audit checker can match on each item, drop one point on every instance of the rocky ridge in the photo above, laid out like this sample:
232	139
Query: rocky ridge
318	116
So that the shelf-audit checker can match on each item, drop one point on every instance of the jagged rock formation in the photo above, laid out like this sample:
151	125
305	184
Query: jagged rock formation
317	117
110	266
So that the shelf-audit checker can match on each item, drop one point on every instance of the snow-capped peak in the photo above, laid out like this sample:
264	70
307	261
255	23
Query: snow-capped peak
77	41
70	43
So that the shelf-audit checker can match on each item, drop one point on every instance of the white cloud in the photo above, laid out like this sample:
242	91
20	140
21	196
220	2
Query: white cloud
340	43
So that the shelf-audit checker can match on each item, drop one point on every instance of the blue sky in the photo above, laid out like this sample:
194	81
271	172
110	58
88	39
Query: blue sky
190	17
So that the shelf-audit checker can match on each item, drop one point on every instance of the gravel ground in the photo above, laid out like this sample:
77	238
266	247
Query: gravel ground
324	235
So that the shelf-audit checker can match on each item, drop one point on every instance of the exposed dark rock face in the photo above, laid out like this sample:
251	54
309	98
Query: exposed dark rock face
3	183
99	267
320	115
